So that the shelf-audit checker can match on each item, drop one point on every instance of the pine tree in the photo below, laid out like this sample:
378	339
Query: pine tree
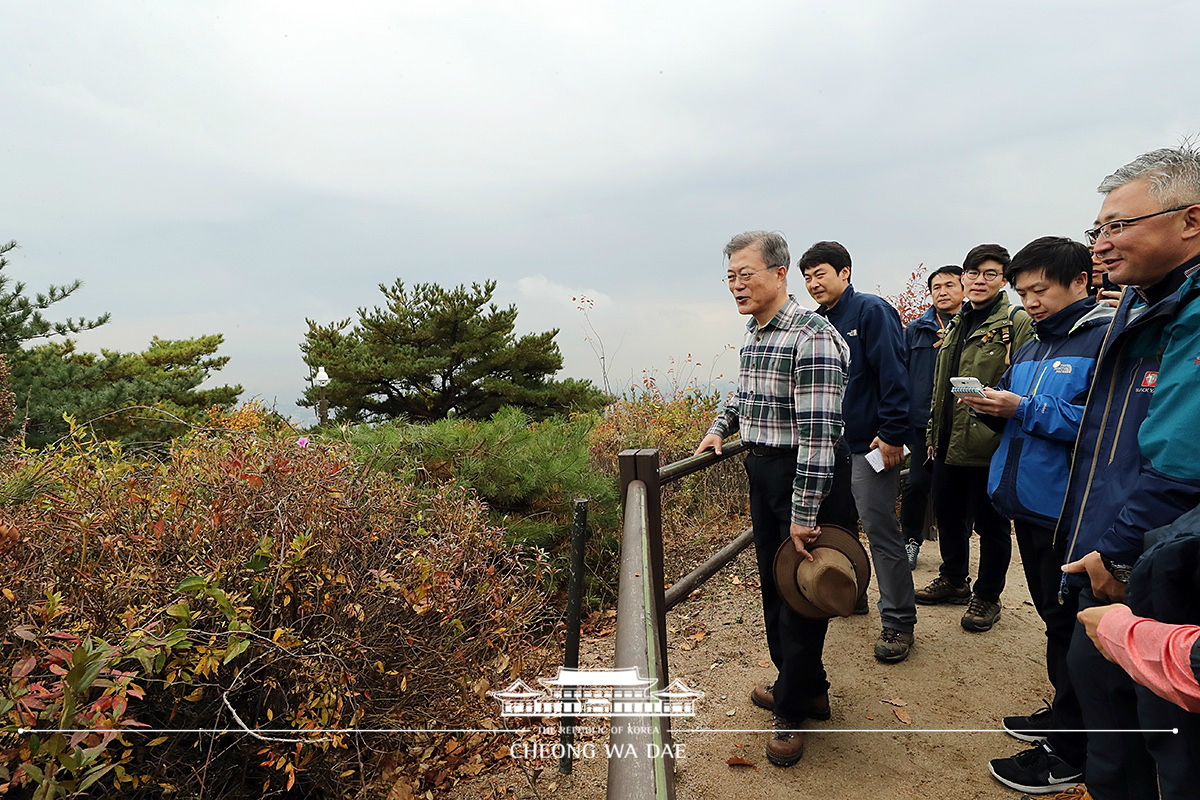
129	397
21	318
429	353
52	378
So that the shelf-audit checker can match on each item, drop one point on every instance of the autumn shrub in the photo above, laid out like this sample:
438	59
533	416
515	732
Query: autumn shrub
673	422
527	472
7	399
255	582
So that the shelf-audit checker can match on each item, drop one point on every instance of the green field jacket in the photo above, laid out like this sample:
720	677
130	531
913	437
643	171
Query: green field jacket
985	355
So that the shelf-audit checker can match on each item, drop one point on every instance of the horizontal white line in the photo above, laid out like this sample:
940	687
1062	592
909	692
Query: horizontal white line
677	731
681	731
273	731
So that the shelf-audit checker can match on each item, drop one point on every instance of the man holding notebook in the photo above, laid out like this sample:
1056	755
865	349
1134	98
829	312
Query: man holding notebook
875	411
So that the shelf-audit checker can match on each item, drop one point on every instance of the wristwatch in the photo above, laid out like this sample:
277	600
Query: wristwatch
1119	571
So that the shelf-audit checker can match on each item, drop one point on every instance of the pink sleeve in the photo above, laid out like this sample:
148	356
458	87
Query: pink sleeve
1156	654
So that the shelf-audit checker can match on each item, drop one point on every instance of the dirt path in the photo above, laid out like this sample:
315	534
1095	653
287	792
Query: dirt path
954	681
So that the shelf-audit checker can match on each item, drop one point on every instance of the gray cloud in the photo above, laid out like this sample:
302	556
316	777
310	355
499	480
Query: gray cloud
236	168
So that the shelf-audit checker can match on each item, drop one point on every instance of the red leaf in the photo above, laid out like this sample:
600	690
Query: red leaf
24	667
738	761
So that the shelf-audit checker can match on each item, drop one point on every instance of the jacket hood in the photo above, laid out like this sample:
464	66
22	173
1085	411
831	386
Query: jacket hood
1098	314
1083	313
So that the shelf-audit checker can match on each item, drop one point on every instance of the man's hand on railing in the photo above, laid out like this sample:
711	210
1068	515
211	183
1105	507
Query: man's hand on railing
710	442
803	535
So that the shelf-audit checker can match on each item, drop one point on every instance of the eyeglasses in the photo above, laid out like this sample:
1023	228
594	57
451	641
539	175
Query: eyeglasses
988	275
745	275
1113	229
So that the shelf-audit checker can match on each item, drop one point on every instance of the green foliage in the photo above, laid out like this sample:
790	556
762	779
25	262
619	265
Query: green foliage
250	580
21	318
54	378
528	473
431	353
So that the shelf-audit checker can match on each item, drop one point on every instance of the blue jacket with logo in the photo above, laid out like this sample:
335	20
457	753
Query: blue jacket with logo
1027	479
1135	466
922	338
876	401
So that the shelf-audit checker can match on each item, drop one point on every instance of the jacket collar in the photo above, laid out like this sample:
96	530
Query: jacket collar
783	318
841	305
996	313
930	319
1169	284
1060	324
1163	296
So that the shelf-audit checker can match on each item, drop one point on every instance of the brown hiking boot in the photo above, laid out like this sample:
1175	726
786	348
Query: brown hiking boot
980	615
786	745
941	590
763	696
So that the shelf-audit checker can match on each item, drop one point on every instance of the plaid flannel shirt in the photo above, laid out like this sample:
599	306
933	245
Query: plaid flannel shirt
791	380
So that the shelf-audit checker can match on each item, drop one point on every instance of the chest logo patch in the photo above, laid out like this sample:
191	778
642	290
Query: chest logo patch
1150	379
1061	368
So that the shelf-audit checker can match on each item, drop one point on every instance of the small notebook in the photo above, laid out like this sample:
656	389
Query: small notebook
875	459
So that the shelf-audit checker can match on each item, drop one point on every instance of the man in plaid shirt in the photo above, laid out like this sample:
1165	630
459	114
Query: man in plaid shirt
788	407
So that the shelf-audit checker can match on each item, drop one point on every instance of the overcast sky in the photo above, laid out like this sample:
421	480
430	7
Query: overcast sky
238	167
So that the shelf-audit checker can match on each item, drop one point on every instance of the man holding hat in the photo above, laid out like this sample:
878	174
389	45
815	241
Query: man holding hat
788	408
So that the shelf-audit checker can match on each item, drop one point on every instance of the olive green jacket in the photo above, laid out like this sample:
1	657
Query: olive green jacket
986	354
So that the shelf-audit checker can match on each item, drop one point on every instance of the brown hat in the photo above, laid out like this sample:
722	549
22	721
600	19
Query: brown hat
830	584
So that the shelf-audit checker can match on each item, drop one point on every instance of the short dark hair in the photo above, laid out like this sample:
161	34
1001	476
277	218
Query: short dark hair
985	252
1061	259
949	269
831	253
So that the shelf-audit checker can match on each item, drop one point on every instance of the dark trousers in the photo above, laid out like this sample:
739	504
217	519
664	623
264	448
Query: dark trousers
1119	766
914	499
1131	766
796	643
960	497
1043	572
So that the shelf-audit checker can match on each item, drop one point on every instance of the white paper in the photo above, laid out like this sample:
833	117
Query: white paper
875	458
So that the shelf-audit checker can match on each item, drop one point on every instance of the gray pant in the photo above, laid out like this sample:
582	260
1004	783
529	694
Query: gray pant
875	496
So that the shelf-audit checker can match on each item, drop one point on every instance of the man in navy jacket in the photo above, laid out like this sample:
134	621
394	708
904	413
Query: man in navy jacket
1135	468
875	412
1037	406
922	339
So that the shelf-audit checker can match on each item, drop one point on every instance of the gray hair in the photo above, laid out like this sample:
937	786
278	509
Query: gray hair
771	244
1173	174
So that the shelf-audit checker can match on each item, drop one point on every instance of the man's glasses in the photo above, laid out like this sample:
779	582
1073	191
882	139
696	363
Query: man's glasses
989	275
1113	229
745	275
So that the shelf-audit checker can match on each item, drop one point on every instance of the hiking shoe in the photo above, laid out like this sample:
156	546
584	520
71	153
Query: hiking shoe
980	615
1076	792
942	590
786	745
763	696
862	607
893	645
1036	771
913	548
1032	728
